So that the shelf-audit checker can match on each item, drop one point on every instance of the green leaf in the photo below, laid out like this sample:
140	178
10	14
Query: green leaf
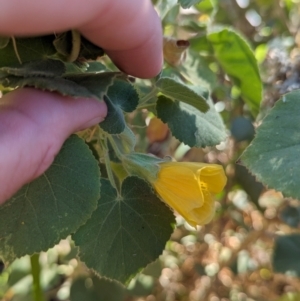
29	49
164	7
188	3
249	184
142	165
273	155
45	68
63	43
100	289
53	206
57	84
121	96
124	95
94	67
206	6
125	141
286	258
200	44
114	122
196	69
75	67
238	61
96	83
179	91
126	232
190	126
76	85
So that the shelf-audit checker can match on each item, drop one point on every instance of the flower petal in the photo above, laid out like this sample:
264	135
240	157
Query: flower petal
182	183
187	187
204	214
213	175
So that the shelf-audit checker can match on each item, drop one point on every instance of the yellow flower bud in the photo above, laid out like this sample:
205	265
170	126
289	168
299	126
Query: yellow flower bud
188	188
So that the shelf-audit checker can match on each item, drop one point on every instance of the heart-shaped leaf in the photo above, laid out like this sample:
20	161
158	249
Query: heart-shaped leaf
126	232
53	206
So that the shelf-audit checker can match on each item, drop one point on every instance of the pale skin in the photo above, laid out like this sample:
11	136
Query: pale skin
34	124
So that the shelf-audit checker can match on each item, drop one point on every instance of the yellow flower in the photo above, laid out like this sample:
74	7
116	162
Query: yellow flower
188	188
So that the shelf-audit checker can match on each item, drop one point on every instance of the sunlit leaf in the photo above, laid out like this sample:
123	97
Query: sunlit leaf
238	61
206	6
190	126
179	91
273	155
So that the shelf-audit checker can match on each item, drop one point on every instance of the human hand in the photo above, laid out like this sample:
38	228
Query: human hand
34	124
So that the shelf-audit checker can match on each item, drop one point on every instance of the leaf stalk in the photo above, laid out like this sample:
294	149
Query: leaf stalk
36	272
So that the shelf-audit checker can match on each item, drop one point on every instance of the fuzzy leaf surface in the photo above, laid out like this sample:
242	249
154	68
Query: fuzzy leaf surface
179	91
76	85
97	83
273	155
52	84
124	234
190	126
45	68
53	206
121	97
238	61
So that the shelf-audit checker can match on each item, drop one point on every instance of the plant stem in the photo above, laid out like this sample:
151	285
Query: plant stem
76	42
16	49
147	105
115	147
108	167
149	96
35	272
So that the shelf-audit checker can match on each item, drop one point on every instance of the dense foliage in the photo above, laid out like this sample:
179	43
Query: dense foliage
227	95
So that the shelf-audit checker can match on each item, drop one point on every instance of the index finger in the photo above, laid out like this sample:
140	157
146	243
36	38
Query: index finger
128	30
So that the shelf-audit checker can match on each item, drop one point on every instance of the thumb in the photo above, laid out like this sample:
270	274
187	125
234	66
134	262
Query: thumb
34	125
